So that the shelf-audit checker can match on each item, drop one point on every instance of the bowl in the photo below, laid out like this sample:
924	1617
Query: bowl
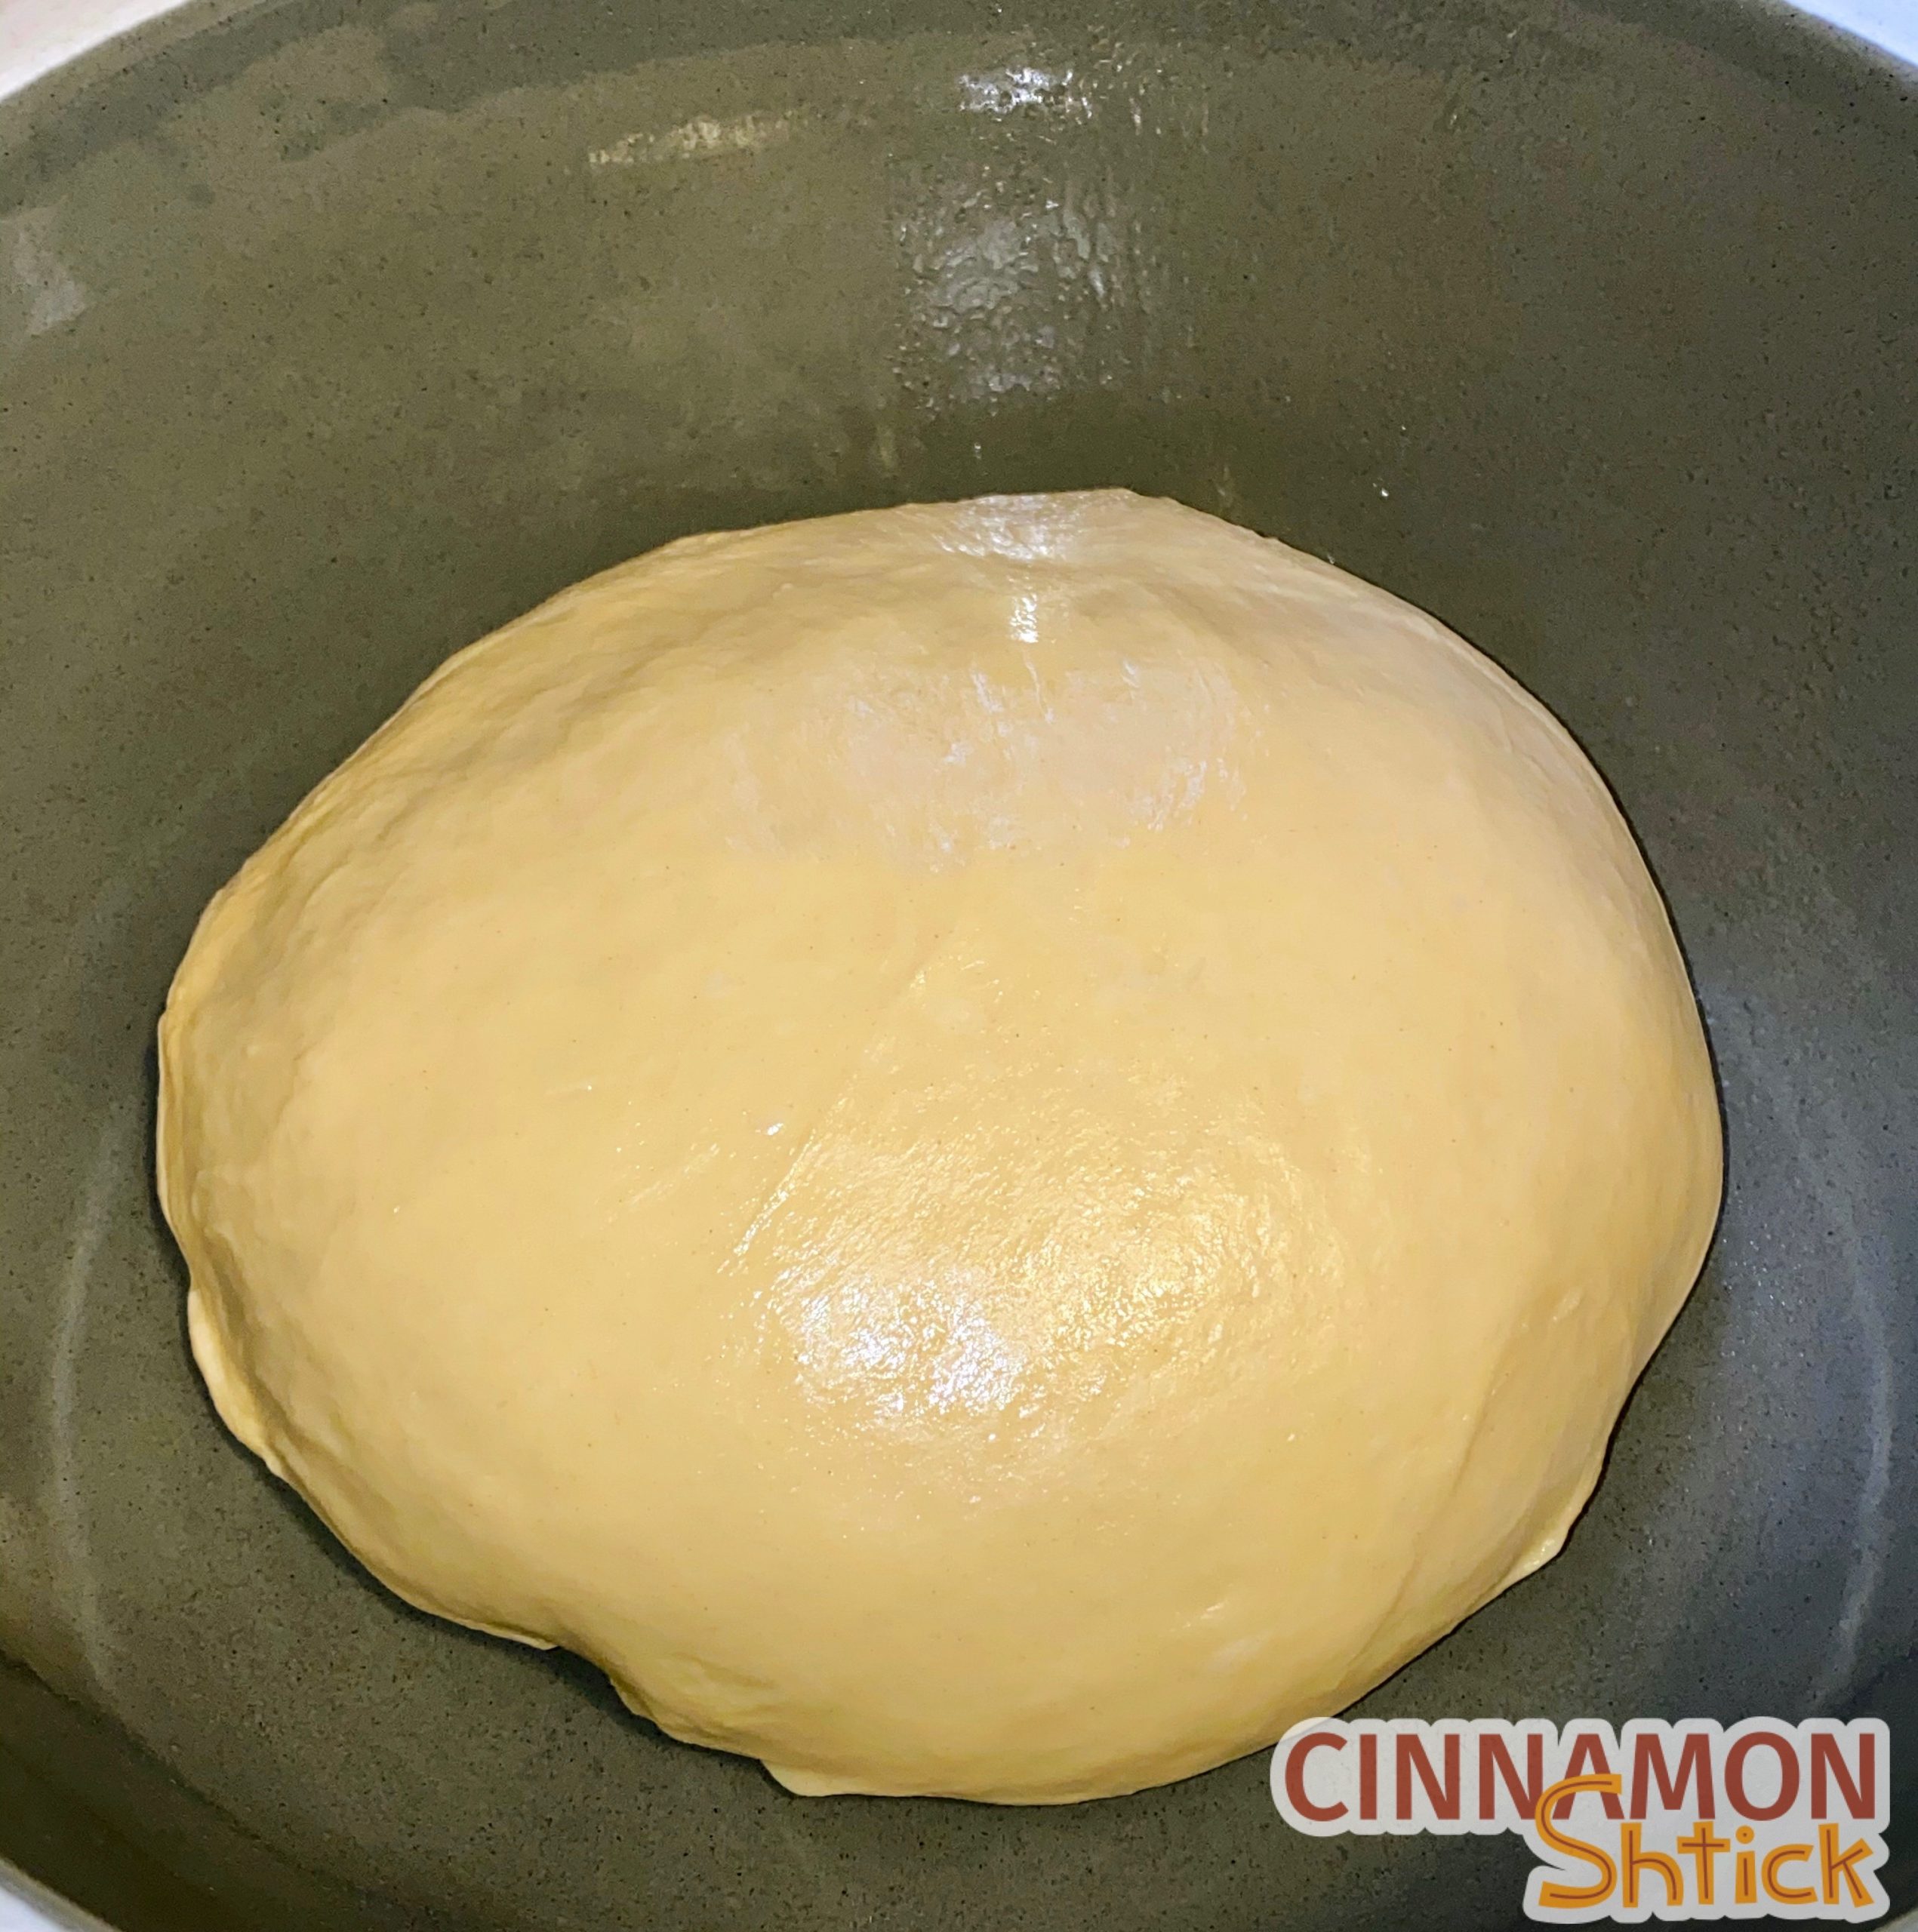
335	334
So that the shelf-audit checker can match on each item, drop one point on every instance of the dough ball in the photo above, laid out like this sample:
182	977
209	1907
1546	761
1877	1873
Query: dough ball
988	1149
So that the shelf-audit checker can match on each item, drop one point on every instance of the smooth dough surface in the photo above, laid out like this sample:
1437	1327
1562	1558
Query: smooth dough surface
988	1149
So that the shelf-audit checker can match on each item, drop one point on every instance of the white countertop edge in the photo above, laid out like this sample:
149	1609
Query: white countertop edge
37	36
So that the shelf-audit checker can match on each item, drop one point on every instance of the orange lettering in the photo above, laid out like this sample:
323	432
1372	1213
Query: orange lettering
1834	1865
1633	1860
1745	1880
1557	1797
1702	1848
1775	1886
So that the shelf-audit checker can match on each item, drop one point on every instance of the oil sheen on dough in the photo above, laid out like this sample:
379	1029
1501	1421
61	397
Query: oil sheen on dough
988	1149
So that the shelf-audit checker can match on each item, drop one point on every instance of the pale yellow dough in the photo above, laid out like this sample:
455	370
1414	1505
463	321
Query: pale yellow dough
988	1149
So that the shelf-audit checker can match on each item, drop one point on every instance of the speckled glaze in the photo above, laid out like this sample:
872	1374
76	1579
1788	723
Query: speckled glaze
333	335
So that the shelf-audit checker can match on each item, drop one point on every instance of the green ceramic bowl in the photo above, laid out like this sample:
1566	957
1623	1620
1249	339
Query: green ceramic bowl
333	332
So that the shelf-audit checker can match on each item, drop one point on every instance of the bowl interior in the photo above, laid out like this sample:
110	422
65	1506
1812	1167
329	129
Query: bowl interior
334	335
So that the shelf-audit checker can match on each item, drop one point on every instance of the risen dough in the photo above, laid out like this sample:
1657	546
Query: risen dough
990	1149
